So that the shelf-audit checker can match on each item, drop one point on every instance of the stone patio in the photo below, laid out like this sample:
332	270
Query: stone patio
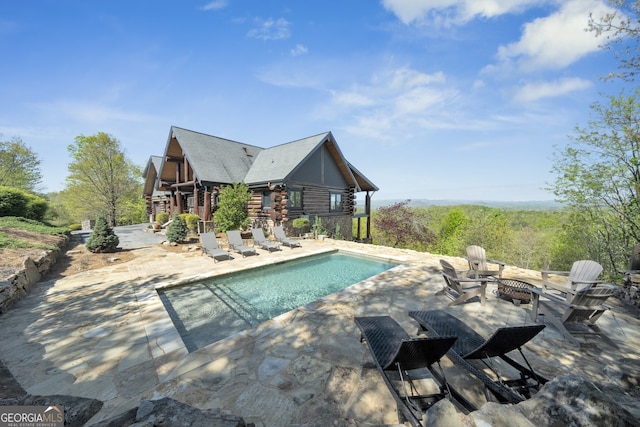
105	334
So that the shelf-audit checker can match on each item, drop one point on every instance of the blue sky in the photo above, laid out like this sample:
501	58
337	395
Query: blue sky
446	99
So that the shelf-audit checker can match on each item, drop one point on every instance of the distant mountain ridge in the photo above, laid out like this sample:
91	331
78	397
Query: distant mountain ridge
542	205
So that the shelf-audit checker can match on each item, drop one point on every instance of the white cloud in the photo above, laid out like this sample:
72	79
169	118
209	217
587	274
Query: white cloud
299	50
448	12
271	29
395	101
215	5
539	90
555	41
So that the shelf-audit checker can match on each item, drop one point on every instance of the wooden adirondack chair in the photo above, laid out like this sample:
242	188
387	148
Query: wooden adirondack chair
576	317
461	288
583	275
479	263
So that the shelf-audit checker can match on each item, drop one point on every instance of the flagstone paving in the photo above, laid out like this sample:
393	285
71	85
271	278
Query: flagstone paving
105	334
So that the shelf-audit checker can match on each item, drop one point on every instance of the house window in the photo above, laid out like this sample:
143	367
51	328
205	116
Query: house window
266	200
294	197
336	202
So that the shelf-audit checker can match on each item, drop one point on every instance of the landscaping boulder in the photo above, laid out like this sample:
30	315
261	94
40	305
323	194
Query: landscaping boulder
167	412
565	401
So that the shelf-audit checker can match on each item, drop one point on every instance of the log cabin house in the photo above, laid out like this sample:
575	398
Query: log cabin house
156	200
309	177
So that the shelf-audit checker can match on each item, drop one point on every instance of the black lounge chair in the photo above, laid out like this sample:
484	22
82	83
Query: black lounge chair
470	349
395	354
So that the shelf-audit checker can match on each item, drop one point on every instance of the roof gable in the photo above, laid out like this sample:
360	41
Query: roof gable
213	160
150	175
278	163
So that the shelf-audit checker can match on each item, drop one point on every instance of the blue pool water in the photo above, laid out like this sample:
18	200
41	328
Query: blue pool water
214	309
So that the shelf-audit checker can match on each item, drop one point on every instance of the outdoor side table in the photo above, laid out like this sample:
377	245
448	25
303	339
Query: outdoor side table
514	290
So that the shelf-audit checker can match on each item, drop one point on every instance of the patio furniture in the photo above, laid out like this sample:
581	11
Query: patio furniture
575	317
583	274
260	240
461	289
479	263
236	244
210	247
514	290
282	238
475	354
396	355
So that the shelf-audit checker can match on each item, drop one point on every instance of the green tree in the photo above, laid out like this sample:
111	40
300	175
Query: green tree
101	178
19	166
57	213
102	238
598	175
488	228
621	32
232	211
450	238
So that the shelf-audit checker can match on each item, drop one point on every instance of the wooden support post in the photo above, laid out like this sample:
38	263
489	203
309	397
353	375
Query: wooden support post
196	201
207	205
368	211
179	202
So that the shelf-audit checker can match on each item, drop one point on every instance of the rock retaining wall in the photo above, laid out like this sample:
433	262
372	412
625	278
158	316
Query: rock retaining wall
19	284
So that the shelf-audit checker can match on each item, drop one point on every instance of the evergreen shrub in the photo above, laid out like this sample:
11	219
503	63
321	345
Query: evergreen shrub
20	203
36	207
102	238
177	230
12	202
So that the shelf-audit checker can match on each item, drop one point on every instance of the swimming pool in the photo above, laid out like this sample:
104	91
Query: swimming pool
208	311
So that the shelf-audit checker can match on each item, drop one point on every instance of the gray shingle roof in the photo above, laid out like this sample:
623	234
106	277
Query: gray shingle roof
217	160
276	163
214	159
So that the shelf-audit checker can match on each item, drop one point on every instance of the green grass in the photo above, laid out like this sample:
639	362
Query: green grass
27	225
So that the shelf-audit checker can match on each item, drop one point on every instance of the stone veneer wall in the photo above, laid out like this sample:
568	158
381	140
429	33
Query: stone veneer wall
19	284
